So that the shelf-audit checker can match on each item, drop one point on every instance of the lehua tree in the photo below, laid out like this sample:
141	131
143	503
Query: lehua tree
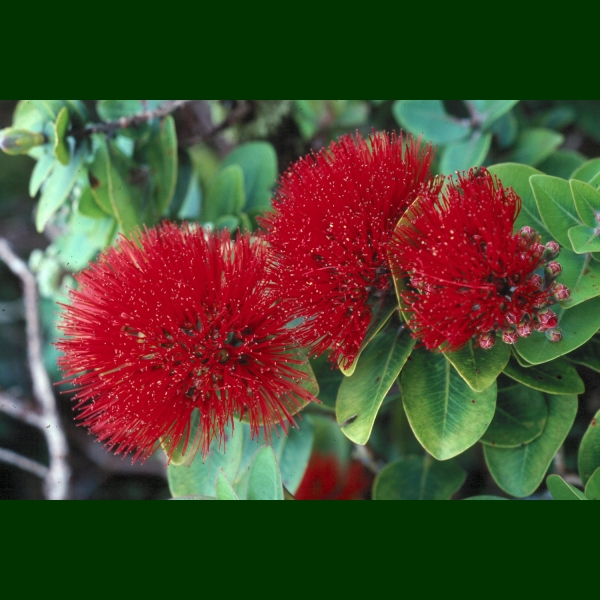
408	310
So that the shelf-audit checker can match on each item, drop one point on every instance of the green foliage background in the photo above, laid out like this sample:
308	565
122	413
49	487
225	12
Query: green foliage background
515	416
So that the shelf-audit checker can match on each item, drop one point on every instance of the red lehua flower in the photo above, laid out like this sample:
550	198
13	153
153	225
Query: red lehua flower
470	276
334	214
327	479
173	321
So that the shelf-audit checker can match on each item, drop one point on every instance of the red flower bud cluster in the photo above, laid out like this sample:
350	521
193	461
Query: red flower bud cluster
468	275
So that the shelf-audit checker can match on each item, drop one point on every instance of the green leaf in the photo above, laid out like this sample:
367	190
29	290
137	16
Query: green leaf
491	110
587	355
329	379
584	240
199	477
485	497
520	418
534	145
592	489
109	189
561	490
41	171
187	197
562	163
225	195
588	457
555	204
162	160
505	130
461	156
264	479
258	161
224	489
478	367
578	325
292	452
360	396
113	110
581	275
419	478
381	312
556	377
517	177
230	222
519	471
587	171
61	150
57	188
587	202
88	207
428	117
445	414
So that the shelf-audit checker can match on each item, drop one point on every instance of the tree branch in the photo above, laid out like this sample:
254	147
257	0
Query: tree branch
31	466
134	121
56	480
16	409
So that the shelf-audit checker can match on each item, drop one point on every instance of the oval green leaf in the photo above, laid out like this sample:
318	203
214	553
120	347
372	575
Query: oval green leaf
519	471
534	145
562	163
381	311
588	458
461	156
587	171
58	187
478	367
555	377
199	477
587	202
584	239
587	355
578	325
360	396
520	418
517	177
490	111
258	161
561	490
485	497
556	206
224	489
419	478
445	414
109	189
162	160
41	171
225	195
592	489
264	479
61	150
581	275
429	117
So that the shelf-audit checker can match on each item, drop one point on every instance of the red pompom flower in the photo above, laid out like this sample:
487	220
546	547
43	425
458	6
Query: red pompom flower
470	277
333	216
176	320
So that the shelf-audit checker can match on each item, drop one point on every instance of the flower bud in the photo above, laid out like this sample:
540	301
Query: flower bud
524	328
553	270
20	141
487	340
536	281
554	335
561	292
510	336
510	318
549	319
552	250
527	232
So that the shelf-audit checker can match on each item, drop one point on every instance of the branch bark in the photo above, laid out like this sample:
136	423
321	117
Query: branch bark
56	480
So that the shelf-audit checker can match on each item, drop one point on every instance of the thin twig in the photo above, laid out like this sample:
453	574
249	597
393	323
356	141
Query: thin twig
56	481
15	408
134	121
31	466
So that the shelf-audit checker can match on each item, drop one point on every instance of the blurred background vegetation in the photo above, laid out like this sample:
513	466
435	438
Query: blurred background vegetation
228	155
